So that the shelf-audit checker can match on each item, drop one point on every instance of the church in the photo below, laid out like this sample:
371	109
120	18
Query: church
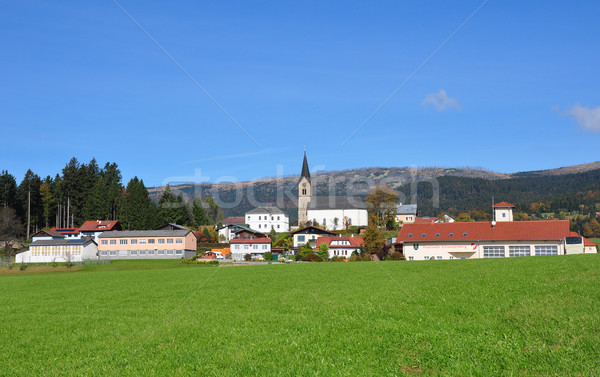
328	212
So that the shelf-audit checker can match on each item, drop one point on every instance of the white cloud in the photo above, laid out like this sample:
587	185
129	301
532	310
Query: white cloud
587	117
440	101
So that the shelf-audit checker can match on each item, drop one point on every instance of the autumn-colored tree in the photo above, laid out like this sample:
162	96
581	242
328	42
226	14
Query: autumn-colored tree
595	225
373	237
382	201
464	217
587	231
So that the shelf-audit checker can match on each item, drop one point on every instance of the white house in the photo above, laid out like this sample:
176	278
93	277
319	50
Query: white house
256	247
308	234
59	250
341	246
265	219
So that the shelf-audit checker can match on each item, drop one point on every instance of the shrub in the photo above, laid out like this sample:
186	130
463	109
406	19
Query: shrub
337	259
23	266
200	262
268	256
248	257
395	256
297	257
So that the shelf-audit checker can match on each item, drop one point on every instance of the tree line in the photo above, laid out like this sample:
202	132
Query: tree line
89	192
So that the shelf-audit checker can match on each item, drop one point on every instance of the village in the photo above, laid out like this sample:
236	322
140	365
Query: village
264	234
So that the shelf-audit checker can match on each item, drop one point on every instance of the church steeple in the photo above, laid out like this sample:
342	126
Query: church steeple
304	193
305	172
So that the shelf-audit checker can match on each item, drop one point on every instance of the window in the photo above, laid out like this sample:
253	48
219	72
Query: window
161	241
324	221
113	253
278	218
437	234
150	252
258	226
179	240
450	234
504	215
519	251
272	218
439	258
465	234
255	247
169	240
546	250
423	235
122	242
426	257
277	226
178	252
410	234
451	257
161	252
264	247
113	242
104	242
142	242
301	238
133	252
493	251
134	242
142	252
259	217
169	252
104	253
151	241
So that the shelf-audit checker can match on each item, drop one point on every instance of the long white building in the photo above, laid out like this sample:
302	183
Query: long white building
490	239
59	250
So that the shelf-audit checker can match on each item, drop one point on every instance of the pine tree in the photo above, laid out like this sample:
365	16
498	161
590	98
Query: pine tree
8	190
136	206
198	213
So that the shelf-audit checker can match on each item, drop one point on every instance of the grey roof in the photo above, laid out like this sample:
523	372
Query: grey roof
244	228
305	172
171	226
406	209
312	230
145	233
266	210
336	202
65	242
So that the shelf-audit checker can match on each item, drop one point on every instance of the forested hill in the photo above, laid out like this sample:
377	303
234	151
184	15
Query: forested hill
459	189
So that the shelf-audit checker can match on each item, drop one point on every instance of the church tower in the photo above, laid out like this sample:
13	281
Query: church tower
304	193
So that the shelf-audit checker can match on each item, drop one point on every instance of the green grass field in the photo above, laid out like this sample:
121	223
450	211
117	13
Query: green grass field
533	316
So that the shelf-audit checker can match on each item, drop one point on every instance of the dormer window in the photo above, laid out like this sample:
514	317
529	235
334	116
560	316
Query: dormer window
437	234
410	234
423	235
451	234
465	234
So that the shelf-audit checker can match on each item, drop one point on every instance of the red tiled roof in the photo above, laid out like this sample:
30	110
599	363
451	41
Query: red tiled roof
98	225
503	204
251	240
234	220
483	230
425	220
587	242
49	232
354	241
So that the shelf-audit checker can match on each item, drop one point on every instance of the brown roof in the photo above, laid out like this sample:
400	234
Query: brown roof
48	232
504	204
234	220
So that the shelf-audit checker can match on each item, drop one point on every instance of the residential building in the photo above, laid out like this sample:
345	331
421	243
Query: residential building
308	234
589	247
58	250
47	234
341	246
256	247
406	213
265	219
229	226
147	244
172	226
93	229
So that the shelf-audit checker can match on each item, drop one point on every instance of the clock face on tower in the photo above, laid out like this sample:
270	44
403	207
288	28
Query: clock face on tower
304	184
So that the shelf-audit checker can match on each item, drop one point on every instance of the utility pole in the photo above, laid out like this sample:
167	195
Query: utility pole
68	210
28	210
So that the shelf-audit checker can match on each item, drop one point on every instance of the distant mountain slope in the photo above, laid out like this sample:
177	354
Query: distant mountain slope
460	188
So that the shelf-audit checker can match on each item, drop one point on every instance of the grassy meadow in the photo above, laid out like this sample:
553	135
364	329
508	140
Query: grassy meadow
534	316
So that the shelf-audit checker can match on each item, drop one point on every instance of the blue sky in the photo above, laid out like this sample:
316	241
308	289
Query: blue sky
515	89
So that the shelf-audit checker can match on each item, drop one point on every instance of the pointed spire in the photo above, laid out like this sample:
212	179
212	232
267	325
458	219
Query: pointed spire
305	172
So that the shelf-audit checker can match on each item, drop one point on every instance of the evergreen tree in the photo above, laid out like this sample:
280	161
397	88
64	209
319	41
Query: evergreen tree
48	201
136	206
29	191
373	237
198	213
8	190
